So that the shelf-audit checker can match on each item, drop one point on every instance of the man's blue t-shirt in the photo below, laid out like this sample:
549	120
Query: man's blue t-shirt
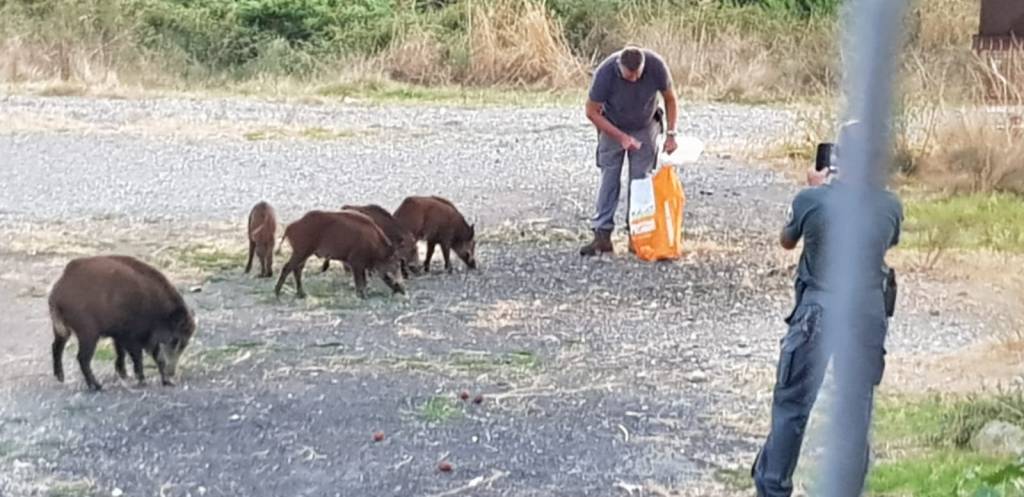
630	106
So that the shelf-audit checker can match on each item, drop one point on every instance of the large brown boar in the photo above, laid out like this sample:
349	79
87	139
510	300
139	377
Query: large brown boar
262	230
347	236
437	221
401	238
127	300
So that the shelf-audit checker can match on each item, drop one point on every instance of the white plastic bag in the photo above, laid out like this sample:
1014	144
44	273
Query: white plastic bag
688	151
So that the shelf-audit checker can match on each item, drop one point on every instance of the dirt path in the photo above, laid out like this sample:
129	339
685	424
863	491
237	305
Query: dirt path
597	376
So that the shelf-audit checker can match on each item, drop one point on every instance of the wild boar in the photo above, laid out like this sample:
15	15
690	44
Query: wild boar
127	300
401	238
262	230
348	236
437	221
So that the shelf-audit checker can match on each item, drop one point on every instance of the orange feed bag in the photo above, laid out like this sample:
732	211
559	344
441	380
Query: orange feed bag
656	205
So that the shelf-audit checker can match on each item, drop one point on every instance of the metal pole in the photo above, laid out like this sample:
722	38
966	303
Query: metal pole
871	43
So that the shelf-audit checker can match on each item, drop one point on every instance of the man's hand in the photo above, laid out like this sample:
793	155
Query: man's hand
629	143
670	144
816	178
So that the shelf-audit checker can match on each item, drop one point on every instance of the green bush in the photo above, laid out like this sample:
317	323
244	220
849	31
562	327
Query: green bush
803	8
588	24
292	20
228	34
242	37
967	417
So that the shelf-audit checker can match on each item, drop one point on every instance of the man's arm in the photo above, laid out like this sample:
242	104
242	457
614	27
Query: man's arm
899	224
786	241
793	229
671	112
603	124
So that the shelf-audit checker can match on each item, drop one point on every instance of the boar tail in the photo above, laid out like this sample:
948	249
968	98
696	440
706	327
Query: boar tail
60	328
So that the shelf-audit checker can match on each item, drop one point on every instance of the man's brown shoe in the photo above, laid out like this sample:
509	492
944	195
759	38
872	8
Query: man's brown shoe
601	244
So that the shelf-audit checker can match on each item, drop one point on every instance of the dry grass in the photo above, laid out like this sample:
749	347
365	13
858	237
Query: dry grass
721	54
517	42
977	153
417	57
721	57
969	150
91	43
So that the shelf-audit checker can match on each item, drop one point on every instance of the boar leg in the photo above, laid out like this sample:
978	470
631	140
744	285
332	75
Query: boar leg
405	269
294	265
430	255
297	271
86	348
446	253
359	273
136	353
252	249
391	282
119	362
268	263
161	366
59	341
326	266
289	266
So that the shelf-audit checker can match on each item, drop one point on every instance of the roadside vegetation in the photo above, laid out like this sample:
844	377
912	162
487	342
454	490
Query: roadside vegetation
927	446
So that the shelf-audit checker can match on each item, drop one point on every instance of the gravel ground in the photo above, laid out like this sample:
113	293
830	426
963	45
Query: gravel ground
599	376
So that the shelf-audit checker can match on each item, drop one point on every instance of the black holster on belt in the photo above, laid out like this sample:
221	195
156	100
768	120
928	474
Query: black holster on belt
889	292
798	295
659	117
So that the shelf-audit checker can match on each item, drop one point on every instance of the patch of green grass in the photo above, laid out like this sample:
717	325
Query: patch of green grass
516	362
210	259
71	489
735	479
536	234
333	290
439	409
104	351
969	415
902	420
942	473
259	135
994	222
922	446
313	133
317	133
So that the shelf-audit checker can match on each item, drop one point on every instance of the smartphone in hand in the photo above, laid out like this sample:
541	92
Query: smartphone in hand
823	157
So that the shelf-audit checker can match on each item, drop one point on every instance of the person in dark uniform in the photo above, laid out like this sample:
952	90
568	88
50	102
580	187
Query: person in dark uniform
806	352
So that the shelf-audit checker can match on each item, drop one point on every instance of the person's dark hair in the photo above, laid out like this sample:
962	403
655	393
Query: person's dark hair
631	58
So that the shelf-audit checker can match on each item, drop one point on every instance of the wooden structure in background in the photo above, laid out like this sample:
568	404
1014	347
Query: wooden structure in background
1002	25
1000	47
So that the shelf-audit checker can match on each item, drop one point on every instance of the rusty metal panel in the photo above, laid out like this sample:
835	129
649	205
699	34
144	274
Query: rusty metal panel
1001	27
1002	18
